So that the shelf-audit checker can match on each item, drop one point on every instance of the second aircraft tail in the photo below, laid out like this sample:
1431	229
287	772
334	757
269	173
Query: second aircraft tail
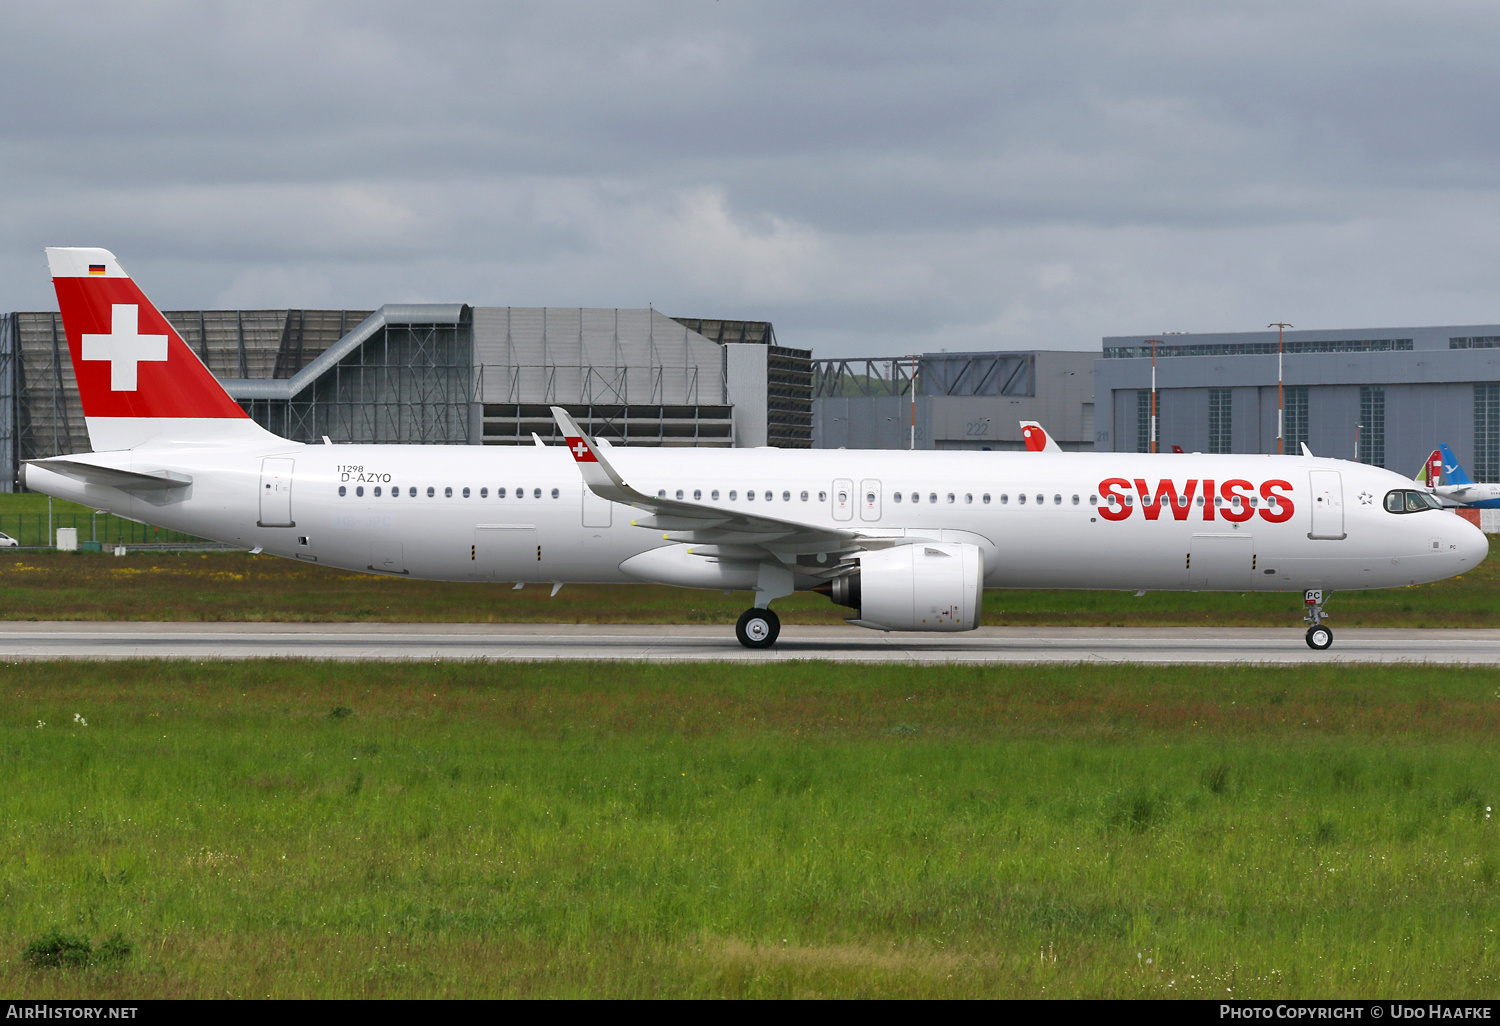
1453	471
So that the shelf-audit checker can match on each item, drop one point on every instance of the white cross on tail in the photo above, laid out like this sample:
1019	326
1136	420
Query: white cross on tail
124	347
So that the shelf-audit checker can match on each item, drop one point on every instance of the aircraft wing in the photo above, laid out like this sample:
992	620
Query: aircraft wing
749	533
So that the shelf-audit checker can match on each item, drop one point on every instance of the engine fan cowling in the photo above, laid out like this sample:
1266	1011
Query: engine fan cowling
927	586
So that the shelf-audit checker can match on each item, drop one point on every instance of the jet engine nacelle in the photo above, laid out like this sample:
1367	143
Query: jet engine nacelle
927	586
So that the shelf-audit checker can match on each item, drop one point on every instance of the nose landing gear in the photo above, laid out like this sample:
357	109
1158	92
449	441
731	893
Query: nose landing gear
1318	636
757	628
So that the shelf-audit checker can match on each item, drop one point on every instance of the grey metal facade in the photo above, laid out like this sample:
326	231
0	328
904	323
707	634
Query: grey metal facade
1385	396
635	377
40	412
443	374
963	400
770	376
10	435
639	377
404	374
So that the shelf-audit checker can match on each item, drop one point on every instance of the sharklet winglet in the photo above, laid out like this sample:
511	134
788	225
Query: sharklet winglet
598	473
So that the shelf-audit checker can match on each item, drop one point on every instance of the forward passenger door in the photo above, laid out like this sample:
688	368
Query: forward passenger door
1327	504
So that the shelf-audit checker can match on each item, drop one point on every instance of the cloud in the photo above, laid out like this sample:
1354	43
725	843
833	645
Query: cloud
874	177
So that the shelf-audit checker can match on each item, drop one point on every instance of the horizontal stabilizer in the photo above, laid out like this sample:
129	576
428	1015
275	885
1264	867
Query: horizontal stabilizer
111	477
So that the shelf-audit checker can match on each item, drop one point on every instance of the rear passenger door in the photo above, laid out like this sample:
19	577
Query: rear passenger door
276	492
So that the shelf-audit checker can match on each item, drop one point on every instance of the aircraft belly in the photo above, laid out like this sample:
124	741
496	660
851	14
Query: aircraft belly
500	544
1155	556
1039	554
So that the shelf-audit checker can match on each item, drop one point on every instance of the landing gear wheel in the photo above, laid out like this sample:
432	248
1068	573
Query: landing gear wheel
1319	637
757	628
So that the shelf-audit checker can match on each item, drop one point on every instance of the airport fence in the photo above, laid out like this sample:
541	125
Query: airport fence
104	529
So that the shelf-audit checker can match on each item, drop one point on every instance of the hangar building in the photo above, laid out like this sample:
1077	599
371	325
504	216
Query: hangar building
1383	396
963	400
446	374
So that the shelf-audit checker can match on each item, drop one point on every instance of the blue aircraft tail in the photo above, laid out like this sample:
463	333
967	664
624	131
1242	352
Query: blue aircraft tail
1453	472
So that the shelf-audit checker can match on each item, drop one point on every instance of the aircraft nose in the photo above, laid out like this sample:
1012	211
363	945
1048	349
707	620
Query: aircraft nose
1473	545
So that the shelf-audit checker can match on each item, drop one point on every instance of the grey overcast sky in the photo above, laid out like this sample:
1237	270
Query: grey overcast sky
875	178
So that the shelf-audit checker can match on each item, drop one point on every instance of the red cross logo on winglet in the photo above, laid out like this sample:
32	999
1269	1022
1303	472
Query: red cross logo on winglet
581	451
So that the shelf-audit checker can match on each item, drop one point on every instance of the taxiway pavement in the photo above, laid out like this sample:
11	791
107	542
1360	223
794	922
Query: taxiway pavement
650	643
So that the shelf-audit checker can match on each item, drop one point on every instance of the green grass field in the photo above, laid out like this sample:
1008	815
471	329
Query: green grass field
302	829
238	586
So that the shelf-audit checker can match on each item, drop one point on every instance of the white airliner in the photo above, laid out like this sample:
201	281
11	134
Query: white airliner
906	540
1446	478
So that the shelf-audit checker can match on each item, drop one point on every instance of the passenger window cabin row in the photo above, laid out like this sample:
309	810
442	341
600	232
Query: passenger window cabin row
769	495
1149	500
484	493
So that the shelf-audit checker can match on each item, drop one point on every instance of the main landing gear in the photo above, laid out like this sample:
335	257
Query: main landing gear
1318	636
757	628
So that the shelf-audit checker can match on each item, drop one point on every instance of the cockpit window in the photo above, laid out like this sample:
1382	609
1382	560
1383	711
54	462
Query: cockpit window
1407	501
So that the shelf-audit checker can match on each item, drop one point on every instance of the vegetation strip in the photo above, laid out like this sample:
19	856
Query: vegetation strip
306	829
237	586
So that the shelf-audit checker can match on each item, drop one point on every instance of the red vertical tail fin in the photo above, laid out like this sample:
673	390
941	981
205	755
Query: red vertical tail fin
1037	439
1432	470
138	380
